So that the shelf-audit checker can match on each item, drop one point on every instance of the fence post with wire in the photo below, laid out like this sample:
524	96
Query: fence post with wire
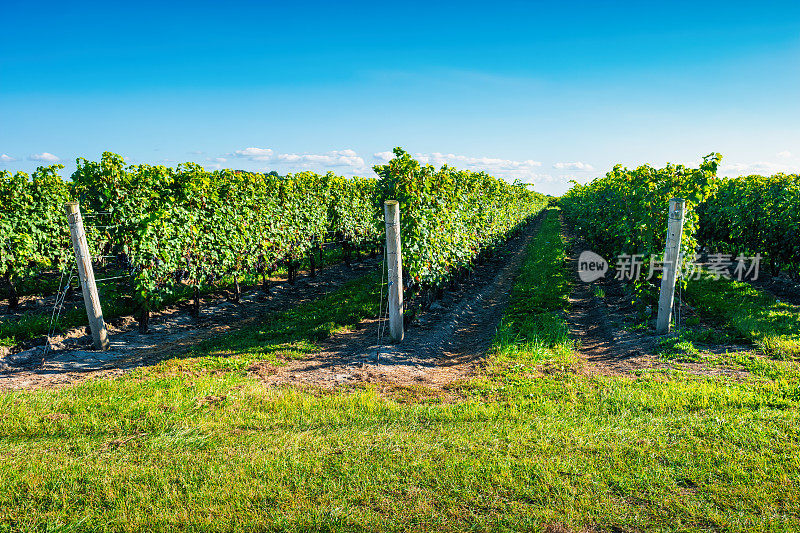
672	254
391	209
83	260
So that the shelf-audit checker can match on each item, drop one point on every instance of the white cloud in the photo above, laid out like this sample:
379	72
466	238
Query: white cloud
254	154
334	158
489	164
785	154
44	156
541	178
501	168
5	158
763	168
577	165
384	157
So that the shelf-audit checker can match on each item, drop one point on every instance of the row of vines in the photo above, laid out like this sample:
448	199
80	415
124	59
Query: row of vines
753	215
172	228
169	228
451	218
33	236
625	212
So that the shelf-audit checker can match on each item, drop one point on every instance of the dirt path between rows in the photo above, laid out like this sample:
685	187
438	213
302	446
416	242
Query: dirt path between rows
598	326
444	345
602	321
172	331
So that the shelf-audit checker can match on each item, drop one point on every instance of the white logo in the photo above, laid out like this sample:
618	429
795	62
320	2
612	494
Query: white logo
591	266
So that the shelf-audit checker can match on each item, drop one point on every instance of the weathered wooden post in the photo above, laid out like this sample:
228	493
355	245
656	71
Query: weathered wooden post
86	275
670	271
394	259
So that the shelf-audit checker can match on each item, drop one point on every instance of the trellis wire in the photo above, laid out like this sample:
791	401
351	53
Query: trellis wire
58	306
109	279
680	299
381	320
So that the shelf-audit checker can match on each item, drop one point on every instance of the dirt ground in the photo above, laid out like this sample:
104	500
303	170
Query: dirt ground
172	331
444	345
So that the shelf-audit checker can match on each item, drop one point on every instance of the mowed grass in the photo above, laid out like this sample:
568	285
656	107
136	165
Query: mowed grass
533	329
755	315
196	444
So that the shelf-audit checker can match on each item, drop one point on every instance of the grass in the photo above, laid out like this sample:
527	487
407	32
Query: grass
695	345
533	327
754	315
691	341
197	444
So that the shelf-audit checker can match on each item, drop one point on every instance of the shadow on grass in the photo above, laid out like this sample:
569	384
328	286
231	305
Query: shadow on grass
756	316
294	333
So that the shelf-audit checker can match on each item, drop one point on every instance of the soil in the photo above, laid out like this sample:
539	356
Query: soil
71	358
597	324
610	342
443	346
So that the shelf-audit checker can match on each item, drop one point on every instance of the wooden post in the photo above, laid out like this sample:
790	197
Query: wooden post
670	271
86	275
394	259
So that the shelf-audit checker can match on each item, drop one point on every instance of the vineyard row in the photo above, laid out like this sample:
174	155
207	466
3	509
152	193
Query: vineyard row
173	227
625	212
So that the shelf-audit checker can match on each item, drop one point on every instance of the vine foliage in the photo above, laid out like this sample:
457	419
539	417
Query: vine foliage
450	217
752	215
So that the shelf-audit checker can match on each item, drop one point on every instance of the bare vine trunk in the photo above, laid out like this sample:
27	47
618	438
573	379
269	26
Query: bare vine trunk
144	319
13	295
196	303
237	290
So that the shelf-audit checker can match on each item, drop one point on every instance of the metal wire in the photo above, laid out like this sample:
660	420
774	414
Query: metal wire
678	312
58	306
109	279
381	327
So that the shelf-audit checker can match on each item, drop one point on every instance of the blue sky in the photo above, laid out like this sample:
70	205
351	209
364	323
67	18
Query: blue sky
544	92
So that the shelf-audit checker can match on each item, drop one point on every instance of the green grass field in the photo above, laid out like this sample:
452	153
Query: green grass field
197	444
